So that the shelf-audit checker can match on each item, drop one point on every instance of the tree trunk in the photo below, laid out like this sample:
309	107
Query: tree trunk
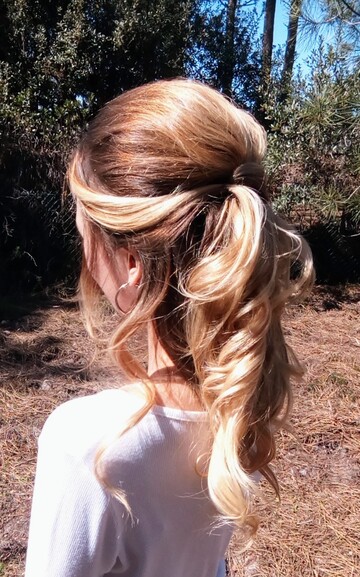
289	59
268	38
267	46
228	60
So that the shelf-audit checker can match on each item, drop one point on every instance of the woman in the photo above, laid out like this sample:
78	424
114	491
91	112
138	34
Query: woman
150	479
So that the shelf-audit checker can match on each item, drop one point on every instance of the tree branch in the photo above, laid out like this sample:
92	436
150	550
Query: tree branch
349	7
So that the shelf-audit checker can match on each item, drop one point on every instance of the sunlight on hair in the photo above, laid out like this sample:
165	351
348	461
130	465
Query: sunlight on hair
174	170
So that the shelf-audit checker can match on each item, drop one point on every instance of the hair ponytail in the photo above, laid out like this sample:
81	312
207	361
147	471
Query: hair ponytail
237	292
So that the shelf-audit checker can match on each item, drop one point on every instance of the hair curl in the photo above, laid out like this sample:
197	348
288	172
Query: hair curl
174	170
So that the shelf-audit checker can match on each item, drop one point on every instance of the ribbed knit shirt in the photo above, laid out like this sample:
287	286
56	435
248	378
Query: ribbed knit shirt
78	529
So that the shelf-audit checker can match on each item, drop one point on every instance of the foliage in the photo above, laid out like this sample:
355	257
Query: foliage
339	18
315	141
314	158
60	60
210	52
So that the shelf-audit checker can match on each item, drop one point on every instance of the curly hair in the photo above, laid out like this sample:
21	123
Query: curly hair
174	170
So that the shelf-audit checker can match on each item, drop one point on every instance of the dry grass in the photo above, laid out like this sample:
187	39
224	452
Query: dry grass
315	529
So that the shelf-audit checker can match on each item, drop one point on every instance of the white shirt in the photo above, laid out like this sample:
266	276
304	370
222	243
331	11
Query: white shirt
78	529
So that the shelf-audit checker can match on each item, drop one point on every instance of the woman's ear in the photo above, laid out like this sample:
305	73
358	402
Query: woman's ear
129	274
134	267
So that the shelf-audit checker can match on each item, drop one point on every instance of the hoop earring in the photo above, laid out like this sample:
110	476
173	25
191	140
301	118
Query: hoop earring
121	287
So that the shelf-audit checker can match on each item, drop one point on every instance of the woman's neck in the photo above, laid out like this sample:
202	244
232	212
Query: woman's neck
171	388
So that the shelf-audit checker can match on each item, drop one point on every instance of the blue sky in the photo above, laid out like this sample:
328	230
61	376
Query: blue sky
305	44
303	49
281	20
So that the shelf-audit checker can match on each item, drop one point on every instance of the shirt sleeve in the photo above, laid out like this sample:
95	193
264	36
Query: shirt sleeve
73	528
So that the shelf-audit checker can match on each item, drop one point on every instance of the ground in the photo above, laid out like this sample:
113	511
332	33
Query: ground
313	531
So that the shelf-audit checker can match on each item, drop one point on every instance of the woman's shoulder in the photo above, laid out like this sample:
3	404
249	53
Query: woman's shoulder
78	426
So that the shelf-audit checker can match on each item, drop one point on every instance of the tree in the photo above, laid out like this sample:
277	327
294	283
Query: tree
337	20
289	58
266	63
344	14
268	39
60	61
228	65
314	162
225	51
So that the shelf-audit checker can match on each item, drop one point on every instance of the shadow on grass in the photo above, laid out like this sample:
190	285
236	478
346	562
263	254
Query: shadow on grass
26	352
43	357
336	255
26	312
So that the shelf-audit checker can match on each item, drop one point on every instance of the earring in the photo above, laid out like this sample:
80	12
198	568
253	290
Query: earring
121	287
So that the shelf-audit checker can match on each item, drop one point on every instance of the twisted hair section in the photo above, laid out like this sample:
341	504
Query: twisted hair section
174	171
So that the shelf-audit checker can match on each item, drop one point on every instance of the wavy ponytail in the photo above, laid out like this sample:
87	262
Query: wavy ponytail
174	170
238	290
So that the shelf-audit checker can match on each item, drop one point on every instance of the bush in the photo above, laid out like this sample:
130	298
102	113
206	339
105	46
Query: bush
314	163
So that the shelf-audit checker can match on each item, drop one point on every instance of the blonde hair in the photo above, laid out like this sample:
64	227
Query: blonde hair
174	170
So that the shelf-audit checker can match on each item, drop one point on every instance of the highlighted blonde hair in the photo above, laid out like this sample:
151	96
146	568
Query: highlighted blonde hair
174	170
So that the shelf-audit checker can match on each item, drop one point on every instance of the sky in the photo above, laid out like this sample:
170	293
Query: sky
303	49
281	21
305	45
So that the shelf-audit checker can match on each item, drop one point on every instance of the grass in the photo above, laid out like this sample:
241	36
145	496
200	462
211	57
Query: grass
313	531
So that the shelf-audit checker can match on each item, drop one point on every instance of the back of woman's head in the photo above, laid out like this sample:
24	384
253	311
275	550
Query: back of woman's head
174	171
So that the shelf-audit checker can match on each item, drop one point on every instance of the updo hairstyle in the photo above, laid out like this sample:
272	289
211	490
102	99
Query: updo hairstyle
174	171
